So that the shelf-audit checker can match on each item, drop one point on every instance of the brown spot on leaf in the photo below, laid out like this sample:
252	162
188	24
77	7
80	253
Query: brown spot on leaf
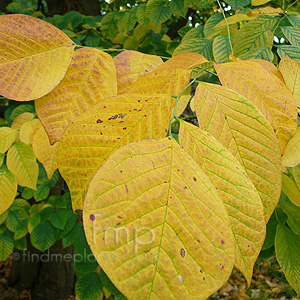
195	179
92	217
119	217
222	242
182	253
124	128
123	116
99	121
201	271
113	117
126	189
118	224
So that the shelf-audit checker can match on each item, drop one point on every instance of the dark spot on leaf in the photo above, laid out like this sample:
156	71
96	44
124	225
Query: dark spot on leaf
275	130
92	217
139	100
182	252
135	109
195	179
118	224
139	110
113	117
101	133
185	187
104	106
225	117
121	122
203	278
121	171
120	217
222	242
123	116
124	128
198	241
169	138
118	138
145	115
99	121
126	188
201	271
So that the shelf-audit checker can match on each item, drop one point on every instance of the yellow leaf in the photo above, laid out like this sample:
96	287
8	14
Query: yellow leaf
290	70
234	19
109	125
166	81
296	175
268	66
192	104
259	2
21	119
187	60
26	130
22	162
90	79
131	65
240	127
7	138
291	156
289	187
8	189
241	199
44	152
162	220
266	91
182	104
268	10
35	56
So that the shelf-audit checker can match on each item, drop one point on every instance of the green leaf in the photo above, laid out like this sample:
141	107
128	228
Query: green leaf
255	34
292	34
3	217
14	220
6	244
71	221
142	17
27	193
77	238
21	244
20	204
43	236
22	162
290	188
212	22
200	45
235	4
293	213
8	188
221	48
85	263
178	8
260	52
2	156
128	20
42	192
22	109
90	21
88	286
109	25
75	17
295	20
271	232
33	221
58	218
287	245
108	284
158	12
288	50
92	41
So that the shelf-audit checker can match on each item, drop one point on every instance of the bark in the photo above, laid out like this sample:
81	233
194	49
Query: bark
86	7
49	275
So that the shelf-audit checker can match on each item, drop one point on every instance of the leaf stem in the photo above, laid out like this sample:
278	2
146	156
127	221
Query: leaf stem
227	25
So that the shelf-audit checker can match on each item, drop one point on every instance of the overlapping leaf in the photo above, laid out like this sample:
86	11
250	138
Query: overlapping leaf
159	204
7	138
243	130
221	48
292	34
90	79
291	156
109	125
266	91
43	151
34	57
290	70
289	187
22	162
288	50
130	65
236	190
8	188
26	130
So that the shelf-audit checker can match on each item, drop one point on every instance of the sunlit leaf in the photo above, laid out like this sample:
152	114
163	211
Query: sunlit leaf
7	138
182	104
130	65
287	245
290	70
22	162
43	151
173	216
268	66
34	57
90	79
8	188
26	130
266	91
165	81
259	2
291	156
101	130
21	119
236	190
244	131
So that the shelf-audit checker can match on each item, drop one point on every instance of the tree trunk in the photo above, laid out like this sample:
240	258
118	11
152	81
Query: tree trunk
49	275
85	7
